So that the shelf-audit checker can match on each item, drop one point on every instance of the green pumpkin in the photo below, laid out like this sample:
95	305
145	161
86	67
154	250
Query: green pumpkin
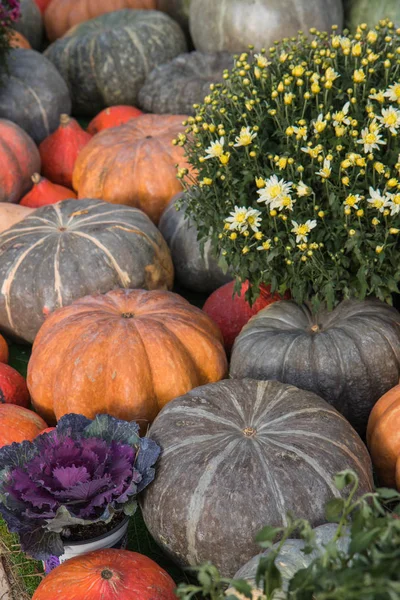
370	12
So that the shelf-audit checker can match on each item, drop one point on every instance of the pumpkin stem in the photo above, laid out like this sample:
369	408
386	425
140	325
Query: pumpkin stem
127	315
64	119
315	328
249	431
106	574
36	178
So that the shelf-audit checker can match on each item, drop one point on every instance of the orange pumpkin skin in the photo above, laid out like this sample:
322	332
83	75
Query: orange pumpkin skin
13	389
17	40
3	350
383	437
60	150
18	424
133	164
44	192
61	15
113	116
126	353
107	575
42	4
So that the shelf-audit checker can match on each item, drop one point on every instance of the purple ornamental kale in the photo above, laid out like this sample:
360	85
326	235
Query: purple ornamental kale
83	472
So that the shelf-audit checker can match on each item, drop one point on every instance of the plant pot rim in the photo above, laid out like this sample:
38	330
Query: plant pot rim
97	538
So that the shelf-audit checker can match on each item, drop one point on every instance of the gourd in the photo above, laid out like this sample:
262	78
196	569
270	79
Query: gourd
4	354
113	116
13	389
18	424
10	214
44	192
30	24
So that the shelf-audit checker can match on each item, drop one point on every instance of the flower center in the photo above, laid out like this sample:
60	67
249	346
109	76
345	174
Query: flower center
397	91
391	119
240	217
275	190
303	230
370	138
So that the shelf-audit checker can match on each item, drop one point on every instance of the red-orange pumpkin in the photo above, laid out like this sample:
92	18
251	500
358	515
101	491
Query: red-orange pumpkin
18	424
13	389
107	575
42	4
17	40
44	192
60	150
113	116
126	353
133	164
3	350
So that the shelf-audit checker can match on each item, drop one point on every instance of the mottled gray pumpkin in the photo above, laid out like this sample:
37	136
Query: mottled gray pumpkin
174	87
350	356
65	251
106	60
239	455
178	10
194	271
232	25
33	94
30	24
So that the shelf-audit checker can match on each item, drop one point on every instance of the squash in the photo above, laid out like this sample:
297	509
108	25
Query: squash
237	455
383	437
33	94
42	5
44	192
64	251
107	574
134	43
4	354
134	164
232	25
10	214
17	40
19	160
60	150
18	424
178	10
194	270
126	353
175	86
31	23
64	14
365	11
350	356
113	116
13	388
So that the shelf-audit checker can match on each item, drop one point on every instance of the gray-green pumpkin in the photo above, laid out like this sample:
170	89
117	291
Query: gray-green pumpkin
174	87
30	24
72	249
232	25
239	455
370	12
105	61
33	94
350	356
194	270
178	10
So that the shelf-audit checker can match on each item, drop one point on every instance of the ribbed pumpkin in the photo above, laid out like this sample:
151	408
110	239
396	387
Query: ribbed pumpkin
194	270
134	41
4	354
232	25
17	40
13	389
44	192
33	93
30	24
10	214
107	575
60	150
19	160
126	353
18	424
383	438
64	14
238	455
133	164
365	11
177	85
350	356
65	251
113	116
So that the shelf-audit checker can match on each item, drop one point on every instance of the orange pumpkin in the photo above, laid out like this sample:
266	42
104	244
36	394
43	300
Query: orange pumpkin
18	424
17	40
113	116
61	15
383	437
3	350
42	4
44	192
126	353
133	164
107	575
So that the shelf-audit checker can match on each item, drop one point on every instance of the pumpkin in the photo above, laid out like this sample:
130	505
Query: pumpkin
30	24
113	116
126	353
60	150
350	356
134	43
3	350
175	86
64	14
238	455
133	164
107	574
383	437
178	10
33	94
42	4
44	192
365	11
17	40
64	251
13	388
18	424
231	311
10	214
193	270
19	160
233	25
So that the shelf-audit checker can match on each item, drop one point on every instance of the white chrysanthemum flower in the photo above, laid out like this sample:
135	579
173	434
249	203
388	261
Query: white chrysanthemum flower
390	118
320	124
340	117
237	219
371	139
394	204
245	137
352	200
274	189
326	170
378	96
393	92
284	202
215	149
303	230
265	245
377	200
301	132
303	189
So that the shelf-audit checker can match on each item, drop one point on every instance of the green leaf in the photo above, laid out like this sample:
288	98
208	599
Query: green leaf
361	541
243	587
388	493
344	479
334	510
268	535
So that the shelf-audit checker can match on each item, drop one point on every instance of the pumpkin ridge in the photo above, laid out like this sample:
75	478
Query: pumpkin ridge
199	412
57	278
182	321
38	101
383	337
285	356
300	411
195	439
279	398
277	492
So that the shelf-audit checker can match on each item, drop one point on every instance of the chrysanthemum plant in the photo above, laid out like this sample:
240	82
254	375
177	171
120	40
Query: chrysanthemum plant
298	166
9	14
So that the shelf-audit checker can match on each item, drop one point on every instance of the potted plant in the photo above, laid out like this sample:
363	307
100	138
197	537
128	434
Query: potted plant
72	490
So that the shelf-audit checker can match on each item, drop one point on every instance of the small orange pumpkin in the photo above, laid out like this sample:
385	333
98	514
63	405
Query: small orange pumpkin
113	116
44	192
3	350
133	164
18	424
383	437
